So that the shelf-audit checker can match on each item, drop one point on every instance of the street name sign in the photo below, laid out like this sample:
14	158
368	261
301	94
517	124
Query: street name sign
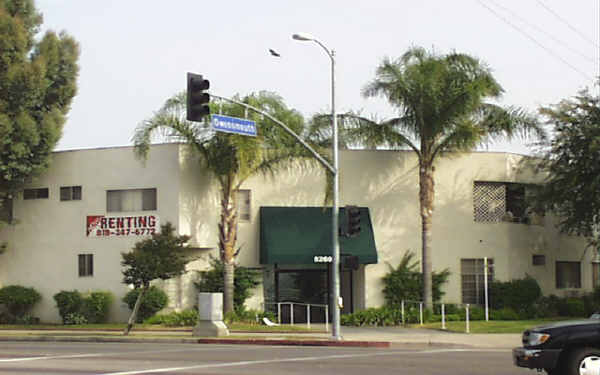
233	125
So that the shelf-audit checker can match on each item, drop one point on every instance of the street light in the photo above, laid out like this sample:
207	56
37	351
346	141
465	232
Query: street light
335	267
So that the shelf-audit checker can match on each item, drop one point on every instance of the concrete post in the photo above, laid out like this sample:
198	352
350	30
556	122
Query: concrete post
210	315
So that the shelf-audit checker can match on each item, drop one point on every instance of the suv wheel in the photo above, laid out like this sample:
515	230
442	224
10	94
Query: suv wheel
583	361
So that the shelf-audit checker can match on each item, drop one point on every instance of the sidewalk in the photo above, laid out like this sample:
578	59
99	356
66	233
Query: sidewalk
351	336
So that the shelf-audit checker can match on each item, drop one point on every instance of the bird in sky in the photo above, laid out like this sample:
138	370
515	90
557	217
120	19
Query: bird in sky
272	52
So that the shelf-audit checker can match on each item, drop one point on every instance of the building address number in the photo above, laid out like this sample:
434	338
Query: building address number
322	259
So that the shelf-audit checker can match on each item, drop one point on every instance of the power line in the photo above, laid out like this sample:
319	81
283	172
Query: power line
564	44
593	43
555	55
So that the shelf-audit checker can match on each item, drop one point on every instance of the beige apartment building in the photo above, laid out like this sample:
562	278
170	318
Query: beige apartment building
71	224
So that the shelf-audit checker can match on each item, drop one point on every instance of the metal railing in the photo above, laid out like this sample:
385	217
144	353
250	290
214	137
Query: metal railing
404	303
308	306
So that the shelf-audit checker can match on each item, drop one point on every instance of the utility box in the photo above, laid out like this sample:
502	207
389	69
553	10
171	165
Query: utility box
210	316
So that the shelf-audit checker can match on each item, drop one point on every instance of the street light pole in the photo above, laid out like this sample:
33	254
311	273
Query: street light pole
335	266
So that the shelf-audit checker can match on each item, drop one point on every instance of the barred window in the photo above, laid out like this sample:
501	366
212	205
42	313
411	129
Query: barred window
40	193
86	265
70	193
473	279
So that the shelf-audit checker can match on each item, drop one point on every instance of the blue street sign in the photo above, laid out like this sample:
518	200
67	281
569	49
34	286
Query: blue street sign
234	125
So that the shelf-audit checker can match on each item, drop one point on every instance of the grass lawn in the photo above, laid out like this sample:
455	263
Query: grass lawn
154	327
481	326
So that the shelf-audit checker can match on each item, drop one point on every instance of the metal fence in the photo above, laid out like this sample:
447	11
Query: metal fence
405	303
302	315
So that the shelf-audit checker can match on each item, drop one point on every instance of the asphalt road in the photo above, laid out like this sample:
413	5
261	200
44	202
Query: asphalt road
128	359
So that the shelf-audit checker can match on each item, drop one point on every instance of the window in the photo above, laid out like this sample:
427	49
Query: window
131	200
568	275
6	210
243	204
41	193
473	279
86	265
502	201
538	260
70	193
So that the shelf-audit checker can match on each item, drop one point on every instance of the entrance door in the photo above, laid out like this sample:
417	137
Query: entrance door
302	288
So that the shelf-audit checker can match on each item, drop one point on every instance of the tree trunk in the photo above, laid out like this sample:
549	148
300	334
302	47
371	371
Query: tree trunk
228	286
136	308
227	240
426	195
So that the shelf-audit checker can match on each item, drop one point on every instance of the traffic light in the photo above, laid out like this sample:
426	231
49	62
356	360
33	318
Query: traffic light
197	99
350	262
353	221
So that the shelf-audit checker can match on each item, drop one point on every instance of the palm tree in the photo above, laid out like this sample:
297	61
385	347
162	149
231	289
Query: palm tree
442	108
231	158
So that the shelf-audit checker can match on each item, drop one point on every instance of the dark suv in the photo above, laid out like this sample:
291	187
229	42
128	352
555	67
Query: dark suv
563	348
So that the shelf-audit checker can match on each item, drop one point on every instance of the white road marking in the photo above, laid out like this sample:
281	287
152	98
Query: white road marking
297	359
91	355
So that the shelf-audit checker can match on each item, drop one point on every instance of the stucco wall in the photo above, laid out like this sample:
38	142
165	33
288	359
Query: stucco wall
49	233
387	183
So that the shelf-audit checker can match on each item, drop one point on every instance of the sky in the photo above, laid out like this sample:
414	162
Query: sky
135	53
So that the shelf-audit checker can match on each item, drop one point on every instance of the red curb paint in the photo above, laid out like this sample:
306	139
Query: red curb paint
356	344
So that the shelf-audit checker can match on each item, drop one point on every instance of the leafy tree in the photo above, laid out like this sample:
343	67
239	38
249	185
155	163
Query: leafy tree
405	282
231	158
38	80
572	162
160	257
442	108
245	279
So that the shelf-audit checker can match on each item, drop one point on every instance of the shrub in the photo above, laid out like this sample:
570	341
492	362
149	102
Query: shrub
154	300
475	313
518	294
406	283
244	280
18	300
385	316
572	307
74	318
184	318
248	316
546	306
68	303
591	302
504	314
75	308
96	306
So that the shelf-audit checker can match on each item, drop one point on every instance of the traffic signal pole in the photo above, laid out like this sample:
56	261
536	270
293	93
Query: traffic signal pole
335	265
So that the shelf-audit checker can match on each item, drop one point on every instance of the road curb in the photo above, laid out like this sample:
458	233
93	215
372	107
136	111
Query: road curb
355	344
192	340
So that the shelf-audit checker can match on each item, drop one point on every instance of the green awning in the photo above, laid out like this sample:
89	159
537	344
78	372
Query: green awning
296	235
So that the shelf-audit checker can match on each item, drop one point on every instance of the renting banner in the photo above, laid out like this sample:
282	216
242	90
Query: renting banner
121	226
